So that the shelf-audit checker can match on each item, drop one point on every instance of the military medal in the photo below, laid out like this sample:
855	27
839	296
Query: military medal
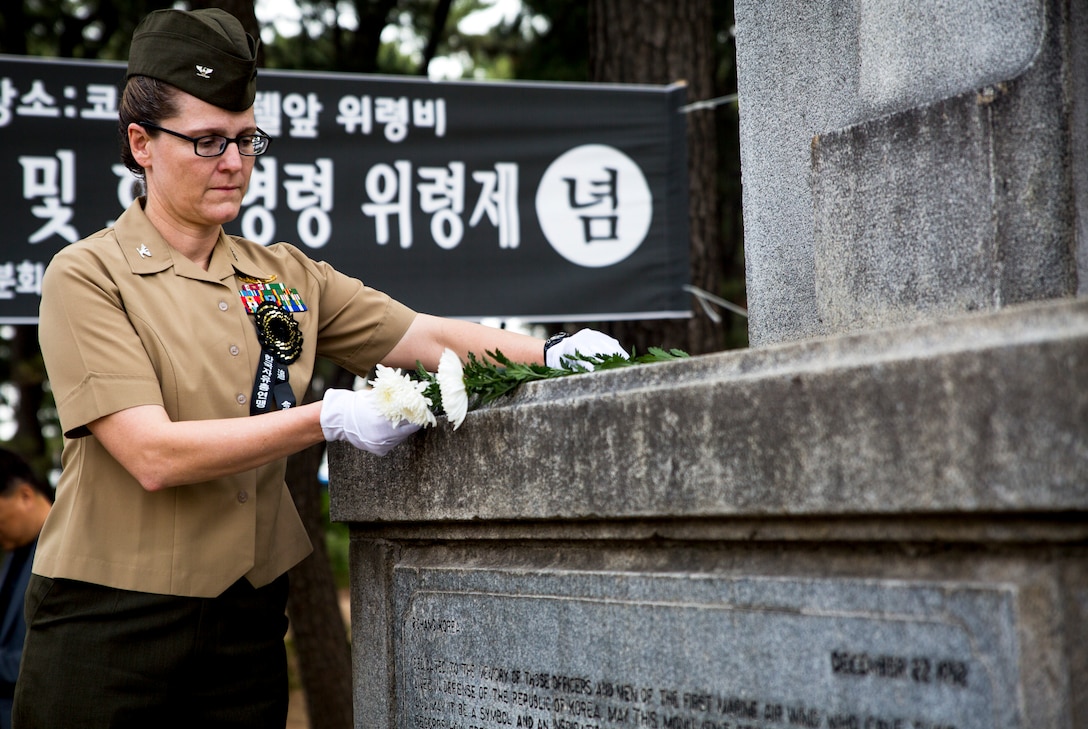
272	306
278	332
255	293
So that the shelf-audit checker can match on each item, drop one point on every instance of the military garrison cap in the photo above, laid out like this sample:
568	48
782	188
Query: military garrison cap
205	52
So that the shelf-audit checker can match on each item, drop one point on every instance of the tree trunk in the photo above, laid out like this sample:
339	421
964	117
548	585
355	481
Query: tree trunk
365	43
438	30
652	42
13	30
321	640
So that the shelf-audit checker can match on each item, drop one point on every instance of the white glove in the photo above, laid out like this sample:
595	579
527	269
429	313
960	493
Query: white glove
588	342
352	416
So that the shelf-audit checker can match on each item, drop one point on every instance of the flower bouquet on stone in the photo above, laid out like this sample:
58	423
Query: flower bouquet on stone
459	387
398	397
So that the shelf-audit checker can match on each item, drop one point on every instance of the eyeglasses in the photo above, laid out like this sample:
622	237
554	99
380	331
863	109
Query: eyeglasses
213	145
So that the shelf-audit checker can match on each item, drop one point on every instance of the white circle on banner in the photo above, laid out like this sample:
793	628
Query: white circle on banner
594	205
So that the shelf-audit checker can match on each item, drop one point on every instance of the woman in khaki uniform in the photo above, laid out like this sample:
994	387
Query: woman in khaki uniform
159	586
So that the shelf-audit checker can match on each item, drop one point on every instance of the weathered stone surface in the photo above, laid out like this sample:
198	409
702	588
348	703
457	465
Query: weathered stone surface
984	413
494	647
951	136
438	614
911	220
783	529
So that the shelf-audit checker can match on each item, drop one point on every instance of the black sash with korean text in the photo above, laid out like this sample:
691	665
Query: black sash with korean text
281	344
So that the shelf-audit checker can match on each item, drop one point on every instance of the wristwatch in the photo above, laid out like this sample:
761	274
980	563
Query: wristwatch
552	341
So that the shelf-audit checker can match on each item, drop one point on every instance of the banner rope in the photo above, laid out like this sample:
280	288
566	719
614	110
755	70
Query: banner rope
705	298
708	103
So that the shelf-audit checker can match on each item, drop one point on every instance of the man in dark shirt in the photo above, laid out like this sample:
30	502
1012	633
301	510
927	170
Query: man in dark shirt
24	503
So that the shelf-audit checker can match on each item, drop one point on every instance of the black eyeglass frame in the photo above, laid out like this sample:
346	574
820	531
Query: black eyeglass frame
226	140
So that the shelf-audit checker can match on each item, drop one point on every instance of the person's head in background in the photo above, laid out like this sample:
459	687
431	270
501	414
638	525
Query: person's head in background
25	501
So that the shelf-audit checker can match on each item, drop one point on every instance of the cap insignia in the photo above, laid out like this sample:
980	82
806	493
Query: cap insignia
204	71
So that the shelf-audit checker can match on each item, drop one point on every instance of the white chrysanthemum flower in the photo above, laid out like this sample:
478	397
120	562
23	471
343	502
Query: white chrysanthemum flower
398	397
451	383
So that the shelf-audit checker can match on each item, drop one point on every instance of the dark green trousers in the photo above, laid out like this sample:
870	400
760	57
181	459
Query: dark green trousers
97	657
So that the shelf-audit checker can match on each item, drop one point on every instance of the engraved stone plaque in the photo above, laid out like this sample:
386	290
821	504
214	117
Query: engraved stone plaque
492	648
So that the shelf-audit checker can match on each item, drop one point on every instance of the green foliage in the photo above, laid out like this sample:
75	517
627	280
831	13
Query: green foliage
487	380
73	28
385	36
546	41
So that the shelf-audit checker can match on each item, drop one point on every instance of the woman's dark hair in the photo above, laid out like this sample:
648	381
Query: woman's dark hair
14	470
143	99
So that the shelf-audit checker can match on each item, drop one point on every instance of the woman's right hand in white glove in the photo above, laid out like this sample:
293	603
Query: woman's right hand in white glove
562	350
352	416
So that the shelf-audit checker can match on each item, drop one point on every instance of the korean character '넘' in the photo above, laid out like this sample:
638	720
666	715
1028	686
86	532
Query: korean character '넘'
354	111
303	111
593	192
394	114
390	193
37	102
430	113
599	199
442	193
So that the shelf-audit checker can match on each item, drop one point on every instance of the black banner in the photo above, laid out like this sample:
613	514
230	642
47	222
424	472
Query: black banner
544	202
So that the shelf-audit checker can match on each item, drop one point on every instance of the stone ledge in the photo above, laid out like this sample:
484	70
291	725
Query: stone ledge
982	414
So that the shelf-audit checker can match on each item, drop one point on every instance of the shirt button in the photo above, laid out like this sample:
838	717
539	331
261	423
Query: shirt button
241	398
223	306
234	349
243	497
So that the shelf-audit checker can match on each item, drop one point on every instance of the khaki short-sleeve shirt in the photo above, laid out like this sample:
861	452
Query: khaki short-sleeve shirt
125	321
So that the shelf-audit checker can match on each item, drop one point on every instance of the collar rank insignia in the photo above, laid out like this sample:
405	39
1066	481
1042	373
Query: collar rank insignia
144	252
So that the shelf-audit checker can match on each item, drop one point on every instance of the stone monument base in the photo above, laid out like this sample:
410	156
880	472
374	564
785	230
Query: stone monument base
878	531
